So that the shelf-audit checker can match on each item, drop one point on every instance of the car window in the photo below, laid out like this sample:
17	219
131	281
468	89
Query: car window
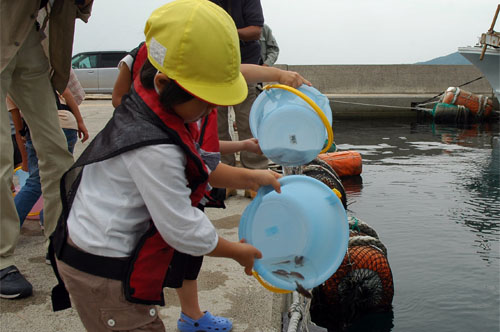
111	59
84	61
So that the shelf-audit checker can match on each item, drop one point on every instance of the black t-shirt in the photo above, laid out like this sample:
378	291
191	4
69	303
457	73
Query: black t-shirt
245	13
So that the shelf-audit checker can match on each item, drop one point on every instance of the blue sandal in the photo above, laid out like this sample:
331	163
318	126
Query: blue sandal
205	324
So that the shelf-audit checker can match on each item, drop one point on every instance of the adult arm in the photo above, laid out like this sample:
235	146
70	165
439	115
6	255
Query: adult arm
250	145
83	133
251	32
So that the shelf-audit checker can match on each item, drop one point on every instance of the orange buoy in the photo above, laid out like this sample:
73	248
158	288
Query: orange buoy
344	163
478	104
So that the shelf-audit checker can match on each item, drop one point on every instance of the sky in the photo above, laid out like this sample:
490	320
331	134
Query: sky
313	32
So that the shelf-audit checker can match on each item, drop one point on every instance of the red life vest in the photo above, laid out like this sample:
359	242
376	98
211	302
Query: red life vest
140	54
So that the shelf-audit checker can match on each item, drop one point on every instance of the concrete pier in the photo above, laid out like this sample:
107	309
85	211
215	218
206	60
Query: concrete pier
387	91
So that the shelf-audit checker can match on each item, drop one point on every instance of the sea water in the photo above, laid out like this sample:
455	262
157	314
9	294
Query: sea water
432	193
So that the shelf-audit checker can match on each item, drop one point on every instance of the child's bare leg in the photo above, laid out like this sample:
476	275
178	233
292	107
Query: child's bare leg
188	297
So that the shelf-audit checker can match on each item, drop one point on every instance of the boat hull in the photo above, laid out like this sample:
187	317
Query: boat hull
489	65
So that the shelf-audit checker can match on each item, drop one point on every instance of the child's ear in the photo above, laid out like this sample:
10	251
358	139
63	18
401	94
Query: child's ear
161	80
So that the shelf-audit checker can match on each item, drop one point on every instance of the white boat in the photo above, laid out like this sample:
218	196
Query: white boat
486	56
489	65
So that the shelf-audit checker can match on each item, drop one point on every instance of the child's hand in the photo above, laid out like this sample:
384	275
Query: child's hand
292	79
265	177
83	133
246	254
242	252
252	145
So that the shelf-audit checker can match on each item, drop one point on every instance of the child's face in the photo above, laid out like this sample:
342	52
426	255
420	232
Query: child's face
190	111
193	110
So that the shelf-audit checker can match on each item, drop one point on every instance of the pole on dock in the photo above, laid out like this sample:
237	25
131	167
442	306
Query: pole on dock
490	31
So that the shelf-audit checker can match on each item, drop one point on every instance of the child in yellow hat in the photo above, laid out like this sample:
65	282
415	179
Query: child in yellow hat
185	268
131	197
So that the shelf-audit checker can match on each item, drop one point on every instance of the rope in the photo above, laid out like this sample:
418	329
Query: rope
355	225
387	106
295	312
371	237
299	313
361	227
367	240
429	103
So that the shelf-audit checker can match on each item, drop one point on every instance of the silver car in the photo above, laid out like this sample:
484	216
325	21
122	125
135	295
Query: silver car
97	71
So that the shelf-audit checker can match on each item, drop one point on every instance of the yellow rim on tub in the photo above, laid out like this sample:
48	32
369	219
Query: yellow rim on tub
268	286
315	107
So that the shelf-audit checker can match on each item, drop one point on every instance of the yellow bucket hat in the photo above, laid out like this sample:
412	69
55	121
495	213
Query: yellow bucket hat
195	43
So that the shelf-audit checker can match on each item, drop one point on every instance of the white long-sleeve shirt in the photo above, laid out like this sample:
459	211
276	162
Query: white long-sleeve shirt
117	197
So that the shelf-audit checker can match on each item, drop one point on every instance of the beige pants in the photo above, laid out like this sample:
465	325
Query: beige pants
101	305
26	79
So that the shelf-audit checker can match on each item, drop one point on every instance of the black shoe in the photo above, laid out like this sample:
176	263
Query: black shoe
47	259
13	285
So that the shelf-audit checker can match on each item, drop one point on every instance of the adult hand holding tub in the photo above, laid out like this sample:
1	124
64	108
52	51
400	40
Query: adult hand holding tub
132	195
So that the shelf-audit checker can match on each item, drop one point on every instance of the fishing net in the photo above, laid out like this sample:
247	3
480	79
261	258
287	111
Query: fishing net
362	284
323	172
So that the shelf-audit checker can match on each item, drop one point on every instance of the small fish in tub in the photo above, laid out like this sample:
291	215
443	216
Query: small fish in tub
299	261
281	272
296	275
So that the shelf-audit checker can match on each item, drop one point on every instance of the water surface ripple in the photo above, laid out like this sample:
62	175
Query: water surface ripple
433	195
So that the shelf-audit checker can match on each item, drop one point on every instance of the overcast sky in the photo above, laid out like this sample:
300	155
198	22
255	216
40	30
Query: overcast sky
322	31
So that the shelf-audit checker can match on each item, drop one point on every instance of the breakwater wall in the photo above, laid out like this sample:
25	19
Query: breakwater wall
387	91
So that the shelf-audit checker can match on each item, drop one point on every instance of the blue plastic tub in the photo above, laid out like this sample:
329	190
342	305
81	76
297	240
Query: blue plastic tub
302	233
289	131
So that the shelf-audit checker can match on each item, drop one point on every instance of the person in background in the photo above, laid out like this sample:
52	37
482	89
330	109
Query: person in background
27	77
75	88
184	268
139	183
249	19
20	157
73	126
269	47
